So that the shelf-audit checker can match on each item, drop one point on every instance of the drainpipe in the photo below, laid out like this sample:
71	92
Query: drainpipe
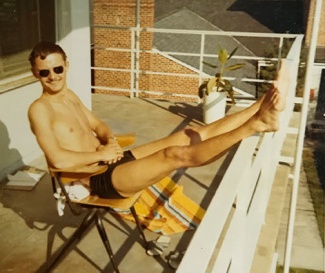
294	193
137	45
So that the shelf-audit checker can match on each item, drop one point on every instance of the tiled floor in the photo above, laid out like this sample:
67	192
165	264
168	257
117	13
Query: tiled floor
31	231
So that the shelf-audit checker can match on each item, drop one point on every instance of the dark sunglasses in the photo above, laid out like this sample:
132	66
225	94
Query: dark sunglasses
45	72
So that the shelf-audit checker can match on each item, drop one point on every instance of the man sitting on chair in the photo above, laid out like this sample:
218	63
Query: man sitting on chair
71	135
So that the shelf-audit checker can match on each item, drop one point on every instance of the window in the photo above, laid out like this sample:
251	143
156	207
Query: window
23	23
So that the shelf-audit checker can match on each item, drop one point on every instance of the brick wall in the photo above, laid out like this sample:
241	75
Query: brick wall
309	6
123	13
169	84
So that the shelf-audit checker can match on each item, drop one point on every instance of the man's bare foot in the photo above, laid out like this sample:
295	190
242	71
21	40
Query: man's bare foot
282	83
267	117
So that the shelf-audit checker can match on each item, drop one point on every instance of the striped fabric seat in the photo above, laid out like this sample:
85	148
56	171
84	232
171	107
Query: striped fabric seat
163	208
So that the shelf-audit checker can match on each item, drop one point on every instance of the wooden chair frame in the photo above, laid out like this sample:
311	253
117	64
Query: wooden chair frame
92	203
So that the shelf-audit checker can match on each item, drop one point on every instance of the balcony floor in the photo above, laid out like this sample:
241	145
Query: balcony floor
30	227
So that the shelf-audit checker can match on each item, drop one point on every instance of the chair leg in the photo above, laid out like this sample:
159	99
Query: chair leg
86	222
103	235
137	221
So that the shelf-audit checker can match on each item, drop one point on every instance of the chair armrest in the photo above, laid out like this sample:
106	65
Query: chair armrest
125	139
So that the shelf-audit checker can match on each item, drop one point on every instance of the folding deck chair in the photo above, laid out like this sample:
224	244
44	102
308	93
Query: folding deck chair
93	204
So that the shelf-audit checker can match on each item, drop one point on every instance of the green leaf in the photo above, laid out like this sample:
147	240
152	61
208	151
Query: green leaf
234	67
223	56
203	89
208	64
230	90
210	85
221	86
231	95
228	85
232	53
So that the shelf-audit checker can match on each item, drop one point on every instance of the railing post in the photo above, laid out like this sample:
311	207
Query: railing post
301	135
280	49
201	56
132	64
137	60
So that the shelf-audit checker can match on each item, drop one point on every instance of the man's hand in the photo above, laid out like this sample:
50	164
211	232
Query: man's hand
112	152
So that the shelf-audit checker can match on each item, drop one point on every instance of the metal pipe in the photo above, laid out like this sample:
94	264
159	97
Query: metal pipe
137	45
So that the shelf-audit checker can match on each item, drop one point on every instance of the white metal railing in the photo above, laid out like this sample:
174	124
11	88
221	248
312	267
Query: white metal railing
135	51
233	233
250	190
302	125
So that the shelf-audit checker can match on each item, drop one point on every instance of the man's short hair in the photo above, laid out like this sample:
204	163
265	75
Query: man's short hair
43	49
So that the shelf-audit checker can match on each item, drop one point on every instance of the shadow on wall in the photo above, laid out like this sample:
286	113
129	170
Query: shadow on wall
10	159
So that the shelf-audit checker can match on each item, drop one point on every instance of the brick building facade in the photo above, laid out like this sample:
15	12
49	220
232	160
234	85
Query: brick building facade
122	13
309	8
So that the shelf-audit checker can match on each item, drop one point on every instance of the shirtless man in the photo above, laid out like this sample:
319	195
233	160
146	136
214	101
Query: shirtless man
71	135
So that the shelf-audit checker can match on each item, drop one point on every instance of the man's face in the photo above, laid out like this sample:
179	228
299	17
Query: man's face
51	72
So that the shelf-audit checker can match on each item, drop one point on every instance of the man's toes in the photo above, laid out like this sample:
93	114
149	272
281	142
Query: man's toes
282	78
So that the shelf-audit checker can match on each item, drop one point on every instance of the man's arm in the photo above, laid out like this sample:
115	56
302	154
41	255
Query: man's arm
58	157
102	131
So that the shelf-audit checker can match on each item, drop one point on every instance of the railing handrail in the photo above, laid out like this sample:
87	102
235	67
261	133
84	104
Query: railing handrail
199	32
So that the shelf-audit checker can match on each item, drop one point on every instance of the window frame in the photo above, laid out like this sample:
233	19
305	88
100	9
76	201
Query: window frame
43	15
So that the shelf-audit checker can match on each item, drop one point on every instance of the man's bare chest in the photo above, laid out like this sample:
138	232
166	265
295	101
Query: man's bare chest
69	119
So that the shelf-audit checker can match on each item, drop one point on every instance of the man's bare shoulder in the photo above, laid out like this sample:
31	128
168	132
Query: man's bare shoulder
39	108
38	104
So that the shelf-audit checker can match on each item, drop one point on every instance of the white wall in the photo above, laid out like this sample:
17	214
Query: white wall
18	145
73	33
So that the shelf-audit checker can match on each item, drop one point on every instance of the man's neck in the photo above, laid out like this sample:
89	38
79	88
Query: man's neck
57	97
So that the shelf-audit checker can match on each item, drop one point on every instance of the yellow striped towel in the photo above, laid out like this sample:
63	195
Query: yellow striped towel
163	208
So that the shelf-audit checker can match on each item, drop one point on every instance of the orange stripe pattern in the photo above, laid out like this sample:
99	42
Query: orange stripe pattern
164	209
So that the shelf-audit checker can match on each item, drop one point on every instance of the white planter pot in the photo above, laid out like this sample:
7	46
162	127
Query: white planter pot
214	106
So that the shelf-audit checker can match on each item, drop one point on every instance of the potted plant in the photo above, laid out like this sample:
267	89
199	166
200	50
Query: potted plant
215	90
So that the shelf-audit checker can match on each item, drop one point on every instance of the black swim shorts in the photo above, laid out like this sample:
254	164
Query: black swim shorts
101	184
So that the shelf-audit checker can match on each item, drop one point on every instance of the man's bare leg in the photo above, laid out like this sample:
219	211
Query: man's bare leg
134	176
194	135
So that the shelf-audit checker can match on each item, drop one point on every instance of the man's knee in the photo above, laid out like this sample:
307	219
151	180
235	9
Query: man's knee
193	134
180	155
